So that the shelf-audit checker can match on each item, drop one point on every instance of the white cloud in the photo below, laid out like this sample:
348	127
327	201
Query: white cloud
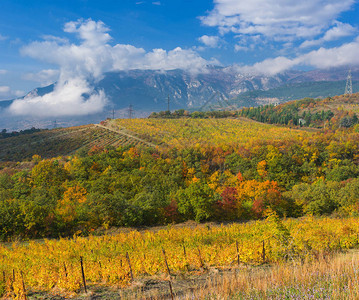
156	3
276	19
339	30
73	97
92	33
239	47
210	41
3	38
269	66
323	58
177	58
88	60
3	72
19	93
7	93
44	77
311	43
94	55
55	38
246	42
4	89
344	55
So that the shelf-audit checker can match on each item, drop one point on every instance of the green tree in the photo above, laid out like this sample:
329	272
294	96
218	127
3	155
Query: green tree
197	201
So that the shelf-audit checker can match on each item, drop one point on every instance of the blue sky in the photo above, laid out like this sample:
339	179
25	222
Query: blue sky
73	41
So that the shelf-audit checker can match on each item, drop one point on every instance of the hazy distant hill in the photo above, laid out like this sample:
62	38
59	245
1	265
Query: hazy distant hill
316	89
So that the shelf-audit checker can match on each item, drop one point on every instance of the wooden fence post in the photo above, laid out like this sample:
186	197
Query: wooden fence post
237	253
65	269
263	252
129	264
200	258
83	274
23	285
164	255
170	284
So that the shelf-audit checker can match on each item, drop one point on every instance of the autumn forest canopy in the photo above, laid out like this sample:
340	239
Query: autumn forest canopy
204	169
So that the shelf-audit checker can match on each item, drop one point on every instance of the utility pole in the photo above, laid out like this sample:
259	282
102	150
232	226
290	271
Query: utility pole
113	114
349	85
130	111
168	103
55	124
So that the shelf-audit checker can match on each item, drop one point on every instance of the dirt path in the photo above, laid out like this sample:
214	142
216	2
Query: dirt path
128	135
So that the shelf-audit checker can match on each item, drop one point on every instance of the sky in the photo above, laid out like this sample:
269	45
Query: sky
75	42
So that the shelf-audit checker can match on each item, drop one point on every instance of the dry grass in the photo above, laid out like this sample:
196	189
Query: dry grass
327	277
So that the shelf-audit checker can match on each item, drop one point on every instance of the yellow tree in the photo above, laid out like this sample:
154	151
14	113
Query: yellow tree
69	207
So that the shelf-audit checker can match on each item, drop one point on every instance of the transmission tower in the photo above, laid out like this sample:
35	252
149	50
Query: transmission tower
349	85
130	111
55	124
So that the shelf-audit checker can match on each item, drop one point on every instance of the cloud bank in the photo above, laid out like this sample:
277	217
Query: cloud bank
276	19
291	26
70	98
323	58
87	61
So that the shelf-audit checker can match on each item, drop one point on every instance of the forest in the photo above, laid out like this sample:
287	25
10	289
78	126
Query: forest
308	174
336	112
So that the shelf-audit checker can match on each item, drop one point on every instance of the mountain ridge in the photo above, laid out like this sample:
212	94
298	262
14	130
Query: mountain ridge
148	90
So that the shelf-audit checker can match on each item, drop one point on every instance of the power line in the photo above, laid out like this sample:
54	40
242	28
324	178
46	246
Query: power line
131	111
349	85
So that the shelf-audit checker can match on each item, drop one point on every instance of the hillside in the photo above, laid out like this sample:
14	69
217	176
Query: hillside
183	132
62	141
147	132
292	91
218	170
331	112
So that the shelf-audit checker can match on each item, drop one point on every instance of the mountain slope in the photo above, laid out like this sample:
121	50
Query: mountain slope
148	90
292	91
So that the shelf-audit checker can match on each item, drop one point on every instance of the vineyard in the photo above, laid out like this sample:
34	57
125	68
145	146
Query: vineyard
62	141
67	266
177	133
180	133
